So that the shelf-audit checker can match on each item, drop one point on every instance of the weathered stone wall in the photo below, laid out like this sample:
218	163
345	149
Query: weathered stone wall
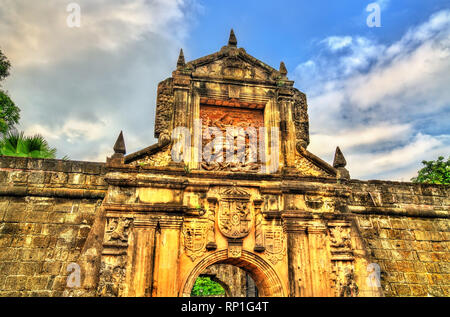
406	229
234	280
47	208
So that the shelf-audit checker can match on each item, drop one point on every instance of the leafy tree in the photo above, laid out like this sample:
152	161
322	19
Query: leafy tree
4	66
204	286
434	172
9	112
16	144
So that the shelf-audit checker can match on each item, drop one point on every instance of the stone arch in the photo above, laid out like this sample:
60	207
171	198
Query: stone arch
266	279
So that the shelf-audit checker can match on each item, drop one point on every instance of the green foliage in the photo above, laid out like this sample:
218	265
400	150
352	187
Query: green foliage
204	286
4	66
434	172
9	113
16	144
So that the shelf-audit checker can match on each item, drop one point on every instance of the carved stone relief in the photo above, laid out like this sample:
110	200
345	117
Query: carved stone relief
234	218
246	123
117	230
275	243
306	168
340	237
194	233
345	282
111	279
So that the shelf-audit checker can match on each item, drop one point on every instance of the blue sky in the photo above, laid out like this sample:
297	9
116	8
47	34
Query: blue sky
381	94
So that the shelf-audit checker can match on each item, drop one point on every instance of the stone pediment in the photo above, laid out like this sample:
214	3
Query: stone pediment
233	63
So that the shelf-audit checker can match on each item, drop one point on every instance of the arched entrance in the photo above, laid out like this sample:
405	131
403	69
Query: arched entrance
265	277
234	281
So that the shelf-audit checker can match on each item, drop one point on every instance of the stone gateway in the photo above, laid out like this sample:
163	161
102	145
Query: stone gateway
144	224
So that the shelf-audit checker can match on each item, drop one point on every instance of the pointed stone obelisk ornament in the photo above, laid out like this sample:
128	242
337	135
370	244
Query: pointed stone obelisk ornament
119	146
339	159
283	70
232	41
339	163
181	62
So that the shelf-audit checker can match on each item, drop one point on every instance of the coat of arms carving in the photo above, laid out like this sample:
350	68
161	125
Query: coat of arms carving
274	243
194	233
234	217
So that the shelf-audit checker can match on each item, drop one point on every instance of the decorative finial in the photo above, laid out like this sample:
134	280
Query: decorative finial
232	41
181	62
283	70
339	159
119	146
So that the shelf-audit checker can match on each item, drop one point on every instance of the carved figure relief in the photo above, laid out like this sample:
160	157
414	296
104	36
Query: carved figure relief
117	230
234	217
274	242
194	233
247	123
340	237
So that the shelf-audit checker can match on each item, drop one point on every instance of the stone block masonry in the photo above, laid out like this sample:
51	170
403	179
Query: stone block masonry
47	208
406	229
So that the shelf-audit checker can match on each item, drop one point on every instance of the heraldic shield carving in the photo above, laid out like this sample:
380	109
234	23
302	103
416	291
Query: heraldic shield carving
194	233
275	243
234	218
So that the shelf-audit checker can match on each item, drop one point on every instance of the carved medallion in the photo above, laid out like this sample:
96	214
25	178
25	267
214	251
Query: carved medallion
234	217
275	243
194	233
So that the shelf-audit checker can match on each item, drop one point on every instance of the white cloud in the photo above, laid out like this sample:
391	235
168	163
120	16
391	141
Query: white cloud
80	86
338	42
350	138
373	98
36	31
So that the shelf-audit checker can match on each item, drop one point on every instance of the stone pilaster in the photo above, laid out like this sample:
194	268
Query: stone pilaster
114	257
285	105
298	259
141	253
211	238
259	239
320	260
166	261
